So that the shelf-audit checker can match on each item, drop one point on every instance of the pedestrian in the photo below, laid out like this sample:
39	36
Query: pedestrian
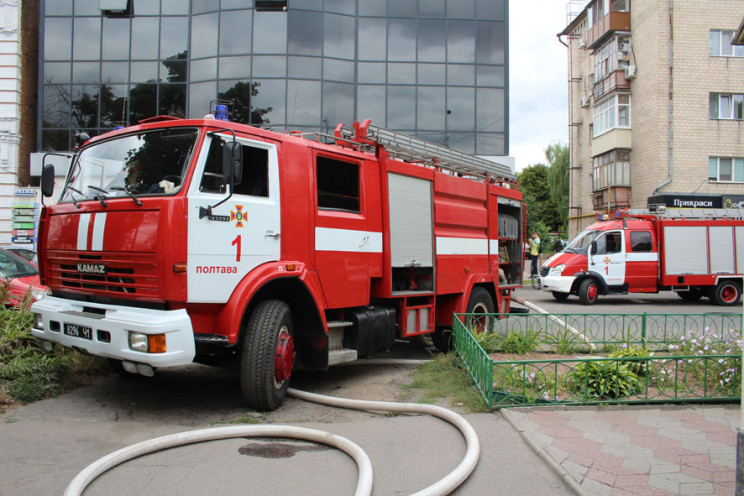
534	253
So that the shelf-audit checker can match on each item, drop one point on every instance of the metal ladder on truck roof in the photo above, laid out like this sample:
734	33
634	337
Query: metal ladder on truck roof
686	213
410	149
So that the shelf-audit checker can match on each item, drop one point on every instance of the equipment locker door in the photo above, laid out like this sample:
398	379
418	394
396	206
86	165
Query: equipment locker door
243	231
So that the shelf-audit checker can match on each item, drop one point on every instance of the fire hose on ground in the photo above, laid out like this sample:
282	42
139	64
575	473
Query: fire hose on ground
365	477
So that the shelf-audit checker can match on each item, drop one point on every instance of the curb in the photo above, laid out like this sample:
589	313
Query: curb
555	466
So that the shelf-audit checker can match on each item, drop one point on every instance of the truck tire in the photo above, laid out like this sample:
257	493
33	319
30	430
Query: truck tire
588	292
691	295
559	296
267	355
442	339
726	293
480	302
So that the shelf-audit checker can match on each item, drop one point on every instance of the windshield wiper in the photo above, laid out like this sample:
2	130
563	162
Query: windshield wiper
100	198
79	193
128	193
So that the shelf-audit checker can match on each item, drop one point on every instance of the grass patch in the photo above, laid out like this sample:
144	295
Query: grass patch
28	373
443	379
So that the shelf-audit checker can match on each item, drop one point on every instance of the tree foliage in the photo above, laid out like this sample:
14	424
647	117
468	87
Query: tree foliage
545	190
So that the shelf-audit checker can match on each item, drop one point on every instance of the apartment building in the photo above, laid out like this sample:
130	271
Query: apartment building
656	106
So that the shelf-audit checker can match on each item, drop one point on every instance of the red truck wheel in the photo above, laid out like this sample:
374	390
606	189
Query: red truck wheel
588	292
480	302
726	293
267	356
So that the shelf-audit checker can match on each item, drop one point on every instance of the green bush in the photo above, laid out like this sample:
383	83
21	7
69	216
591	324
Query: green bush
519	343
637	367
604	379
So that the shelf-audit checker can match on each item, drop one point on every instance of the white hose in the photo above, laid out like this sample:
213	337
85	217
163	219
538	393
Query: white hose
575	332
364	484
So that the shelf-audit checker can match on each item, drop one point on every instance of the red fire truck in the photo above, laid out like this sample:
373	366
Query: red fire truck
694	252
205	240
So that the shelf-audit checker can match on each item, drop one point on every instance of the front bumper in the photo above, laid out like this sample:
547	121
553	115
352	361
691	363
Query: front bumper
559	284
110	327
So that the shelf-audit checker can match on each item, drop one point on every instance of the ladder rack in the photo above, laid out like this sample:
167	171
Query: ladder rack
412	149
687	213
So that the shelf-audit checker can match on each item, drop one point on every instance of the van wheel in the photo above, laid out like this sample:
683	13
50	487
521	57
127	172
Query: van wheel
267	357
559	296
726	293
588	292
480	302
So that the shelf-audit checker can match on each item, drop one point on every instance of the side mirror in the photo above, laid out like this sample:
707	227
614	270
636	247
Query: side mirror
47	180
232	163
593	248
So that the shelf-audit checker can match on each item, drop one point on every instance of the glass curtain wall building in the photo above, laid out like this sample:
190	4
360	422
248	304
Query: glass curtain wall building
436	69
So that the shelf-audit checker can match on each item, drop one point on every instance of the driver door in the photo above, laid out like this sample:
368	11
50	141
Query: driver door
609	259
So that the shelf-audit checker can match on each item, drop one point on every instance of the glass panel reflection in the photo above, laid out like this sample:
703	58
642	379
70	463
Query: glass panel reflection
401	73
85	72
58	7
57	39
115	39
303	102
172	100
143	102
113	105
145	38
204	30
200	95
270	97
401	107
431	8
431	111
460	75
339	36
87	7
264	66
175	7
431	41
235	33
490	75
242	94
174	36
55	140
340	6
490	144
490	116
373	8
338	105
371	72
372	36
461	103
173	70
57	72
305	67
235	67
370	104
84	106
490	10
402	39
305	33
203	69
461	9
464	142
431	74
491	42
270	32
87	38
460	41
401	8
115	72
142	72
146	7
338	70
56	105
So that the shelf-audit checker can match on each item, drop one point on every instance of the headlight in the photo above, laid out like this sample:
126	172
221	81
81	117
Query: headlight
39	293
557	270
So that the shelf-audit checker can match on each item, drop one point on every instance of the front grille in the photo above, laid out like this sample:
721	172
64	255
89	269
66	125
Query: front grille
544	271
126	274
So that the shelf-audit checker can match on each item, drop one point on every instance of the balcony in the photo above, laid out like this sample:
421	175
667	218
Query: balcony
615	81
610	23
611	198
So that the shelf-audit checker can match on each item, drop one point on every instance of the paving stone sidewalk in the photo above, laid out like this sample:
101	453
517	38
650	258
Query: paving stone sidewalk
619	451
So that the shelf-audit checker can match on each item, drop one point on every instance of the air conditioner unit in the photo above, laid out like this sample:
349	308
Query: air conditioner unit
630	72
584	101
582	43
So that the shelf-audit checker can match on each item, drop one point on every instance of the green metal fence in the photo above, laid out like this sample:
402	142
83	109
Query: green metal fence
712	374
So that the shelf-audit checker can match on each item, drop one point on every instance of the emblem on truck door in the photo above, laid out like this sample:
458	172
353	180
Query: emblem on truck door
239	216
88	268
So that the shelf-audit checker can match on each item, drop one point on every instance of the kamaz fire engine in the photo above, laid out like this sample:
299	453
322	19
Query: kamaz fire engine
204	240
694	252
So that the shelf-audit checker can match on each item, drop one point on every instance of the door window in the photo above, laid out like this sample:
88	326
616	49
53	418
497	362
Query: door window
640	241
338	185
255	180
609	243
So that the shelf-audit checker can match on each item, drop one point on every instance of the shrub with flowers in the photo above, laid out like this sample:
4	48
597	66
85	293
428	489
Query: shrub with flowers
726	371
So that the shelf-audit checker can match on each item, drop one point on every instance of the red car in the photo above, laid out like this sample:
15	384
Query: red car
21	286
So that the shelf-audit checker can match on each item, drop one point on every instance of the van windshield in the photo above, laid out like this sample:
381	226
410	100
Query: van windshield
582	241
143	164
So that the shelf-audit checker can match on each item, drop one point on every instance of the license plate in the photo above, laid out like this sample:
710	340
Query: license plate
78	331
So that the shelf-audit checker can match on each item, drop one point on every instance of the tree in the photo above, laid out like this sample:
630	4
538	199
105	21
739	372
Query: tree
558	180
241	95
542	214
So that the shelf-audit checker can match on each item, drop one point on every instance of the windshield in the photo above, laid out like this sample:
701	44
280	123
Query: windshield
144	164
582	241
12	266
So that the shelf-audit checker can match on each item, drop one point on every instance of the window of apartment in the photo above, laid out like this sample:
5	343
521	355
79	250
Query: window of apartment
726	169
720	44
338	185
612	113
620	5
611	169
613	55
726	106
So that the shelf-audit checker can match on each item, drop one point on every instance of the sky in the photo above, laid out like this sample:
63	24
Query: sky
538	88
